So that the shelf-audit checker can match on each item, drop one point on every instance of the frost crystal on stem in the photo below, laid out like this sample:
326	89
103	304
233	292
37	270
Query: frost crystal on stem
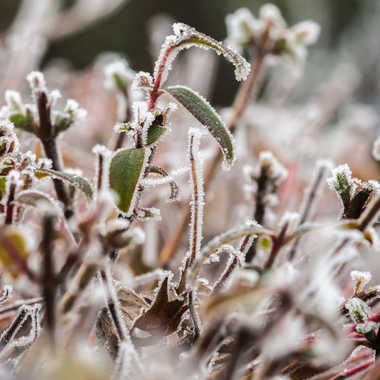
197	196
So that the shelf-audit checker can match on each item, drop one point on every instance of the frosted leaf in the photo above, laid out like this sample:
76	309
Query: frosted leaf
8	139
242	28
36	82
147	123
71	115
35	328
271	13
214	244
341	181
359	311
376	149
42	201
143	80
361	278
126	170
186	37
9	334
72	107
54	96
366	327
207	116
306	32
277	172
7	293
118	75
13	101
341	171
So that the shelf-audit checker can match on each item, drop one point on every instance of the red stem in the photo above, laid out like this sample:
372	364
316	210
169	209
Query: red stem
355	370
155	93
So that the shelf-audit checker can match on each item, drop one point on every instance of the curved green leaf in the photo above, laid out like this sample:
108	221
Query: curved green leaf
154	133
23	121
74	180
126	169
206	115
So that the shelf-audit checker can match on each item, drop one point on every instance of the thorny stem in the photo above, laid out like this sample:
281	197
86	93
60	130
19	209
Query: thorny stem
242	100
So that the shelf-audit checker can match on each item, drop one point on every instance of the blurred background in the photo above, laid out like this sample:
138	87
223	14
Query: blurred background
349	32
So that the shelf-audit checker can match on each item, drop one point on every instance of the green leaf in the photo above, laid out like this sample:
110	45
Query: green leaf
126	169
74	180
64	122
21	121
343	188
3	187
154	133
205	114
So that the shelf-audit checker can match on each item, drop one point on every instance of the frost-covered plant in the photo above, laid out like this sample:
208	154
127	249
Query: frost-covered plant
98	281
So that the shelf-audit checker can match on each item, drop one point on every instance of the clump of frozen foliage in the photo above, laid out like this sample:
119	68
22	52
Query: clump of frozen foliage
98	280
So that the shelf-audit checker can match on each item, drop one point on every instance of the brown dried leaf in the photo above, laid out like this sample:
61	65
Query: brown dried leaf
163	316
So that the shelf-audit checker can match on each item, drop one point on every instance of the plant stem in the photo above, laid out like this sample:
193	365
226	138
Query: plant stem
48	280
311	198
242	100
46	133
9	208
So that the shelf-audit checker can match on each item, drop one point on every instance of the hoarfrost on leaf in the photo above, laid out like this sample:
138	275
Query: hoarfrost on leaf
359	311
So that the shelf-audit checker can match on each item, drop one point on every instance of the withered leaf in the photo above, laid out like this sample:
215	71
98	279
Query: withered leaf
163	316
